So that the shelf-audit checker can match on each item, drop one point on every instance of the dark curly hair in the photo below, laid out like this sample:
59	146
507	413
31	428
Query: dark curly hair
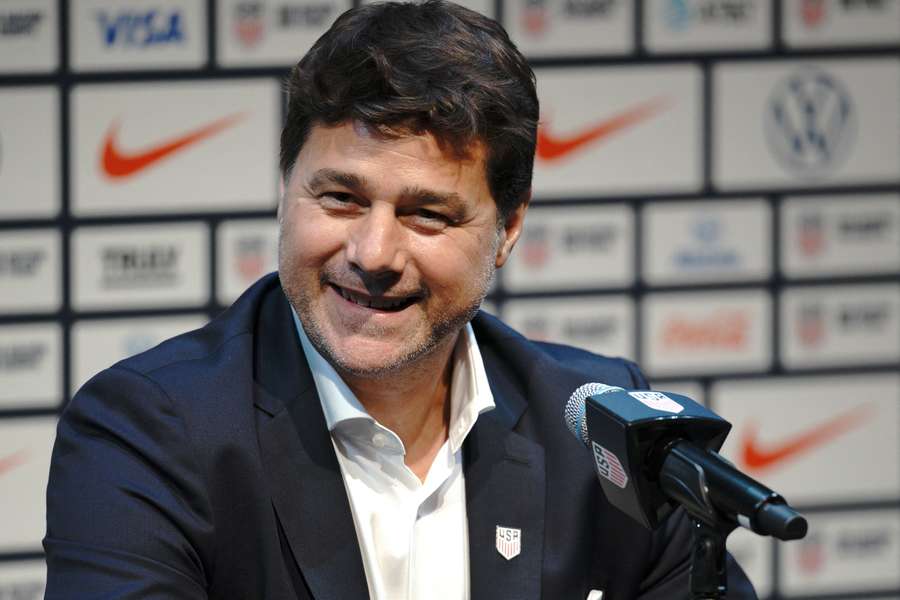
412	68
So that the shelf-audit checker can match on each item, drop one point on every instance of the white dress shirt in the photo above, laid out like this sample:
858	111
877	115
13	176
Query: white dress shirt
413	535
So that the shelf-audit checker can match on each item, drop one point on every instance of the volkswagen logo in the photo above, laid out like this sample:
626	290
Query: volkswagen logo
810	122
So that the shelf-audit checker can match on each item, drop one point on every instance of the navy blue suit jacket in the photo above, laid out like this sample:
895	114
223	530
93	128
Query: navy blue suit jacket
203	469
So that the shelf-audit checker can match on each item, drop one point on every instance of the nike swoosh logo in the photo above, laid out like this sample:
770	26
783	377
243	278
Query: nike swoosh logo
118	164
758	458
551	147
10	462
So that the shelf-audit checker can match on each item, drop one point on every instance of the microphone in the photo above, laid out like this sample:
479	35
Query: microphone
654	451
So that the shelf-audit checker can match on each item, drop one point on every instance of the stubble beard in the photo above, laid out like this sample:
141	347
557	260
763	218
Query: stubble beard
444	327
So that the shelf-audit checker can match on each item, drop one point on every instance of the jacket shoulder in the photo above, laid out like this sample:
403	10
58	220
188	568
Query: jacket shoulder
207	341
625	370
555	358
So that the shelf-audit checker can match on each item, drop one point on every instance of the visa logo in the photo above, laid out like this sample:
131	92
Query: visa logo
140	29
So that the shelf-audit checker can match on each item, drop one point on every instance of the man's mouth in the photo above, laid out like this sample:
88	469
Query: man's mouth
384	303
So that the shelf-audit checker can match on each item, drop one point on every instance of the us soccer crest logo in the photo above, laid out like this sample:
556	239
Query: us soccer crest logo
249	23
609	466
813	12
657	401
509	542
535	247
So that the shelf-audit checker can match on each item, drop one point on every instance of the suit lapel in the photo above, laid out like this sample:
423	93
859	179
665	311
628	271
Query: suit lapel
505	487
298	456
504	471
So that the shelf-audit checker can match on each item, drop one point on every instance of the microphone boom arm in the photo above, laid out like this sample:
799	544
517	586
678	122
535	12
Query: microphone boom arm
704	483
711	490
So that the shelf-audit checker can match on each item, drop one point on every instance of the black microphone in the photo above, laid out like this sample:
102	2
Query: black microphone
654	451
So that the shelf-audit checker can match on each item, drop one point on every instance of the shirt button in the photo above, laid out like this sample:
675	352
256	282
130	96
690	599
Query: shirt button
379	440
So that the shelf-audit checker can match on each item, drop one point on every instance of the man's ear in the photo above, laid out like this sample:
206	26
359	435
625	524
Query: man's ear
281	186
511	230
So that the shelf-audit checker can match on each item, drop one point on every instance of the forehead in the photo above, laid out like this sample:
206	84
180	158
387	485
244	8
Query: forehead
356	148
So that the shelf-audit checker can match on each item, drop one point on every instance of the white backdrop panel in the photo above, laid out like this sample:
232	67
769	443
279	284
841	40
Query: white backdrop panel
153	148
606	131
792	124
816	439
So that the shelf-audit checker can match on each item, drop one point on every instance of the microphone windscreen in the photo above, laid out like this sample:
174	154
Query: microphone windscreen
574	413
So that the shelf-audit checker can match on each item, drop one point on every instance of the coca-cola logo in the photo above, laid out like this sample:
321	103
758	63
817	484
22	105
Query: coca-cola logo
724	330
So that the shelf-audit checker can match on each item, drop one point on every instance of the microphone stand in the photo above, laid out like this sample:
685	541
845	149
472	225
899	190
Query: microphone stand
709	579
716	513
686	482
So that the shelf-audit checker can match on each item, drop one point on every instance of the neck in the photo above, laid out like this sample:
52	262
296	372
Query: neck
414	403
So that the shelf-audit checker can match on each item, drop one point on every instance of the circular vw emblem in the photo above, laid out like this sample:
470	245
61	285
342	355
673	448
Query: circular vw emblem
810	122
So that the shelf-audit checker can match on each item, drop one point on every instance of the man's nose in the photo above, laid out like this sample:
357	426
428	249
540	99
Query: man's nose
375	242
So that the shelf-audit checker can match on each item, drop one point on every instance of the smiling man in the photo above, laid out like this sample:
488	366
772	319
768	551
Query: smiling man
388	246
353	426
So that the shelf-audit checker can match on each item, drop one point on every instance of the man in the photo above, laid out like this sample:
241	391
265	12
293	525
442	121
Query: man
343	431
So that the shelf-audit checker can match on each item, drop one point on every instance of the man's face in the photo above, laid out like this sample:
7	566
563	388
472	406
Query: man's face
387	246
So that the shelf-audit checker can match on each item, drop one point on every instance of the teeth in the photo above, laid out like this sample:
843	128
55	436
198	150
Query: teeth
369	302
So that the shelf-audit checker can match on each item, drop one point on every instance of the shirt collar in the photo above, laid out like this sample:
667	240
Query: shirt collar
470	393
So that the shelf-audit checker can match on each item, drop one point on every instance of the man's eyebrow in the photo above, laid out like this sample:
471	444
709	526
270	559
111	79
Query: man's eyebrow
324	177
415	195
422	196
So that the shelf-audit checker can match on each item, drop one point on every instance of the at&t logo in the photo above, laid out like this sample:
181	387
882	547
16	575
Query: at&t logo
810	123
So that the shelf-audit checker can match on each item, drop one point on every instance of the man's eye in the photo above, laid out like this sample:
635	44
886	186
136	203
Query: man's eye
339	201
431	215
429	220
337	197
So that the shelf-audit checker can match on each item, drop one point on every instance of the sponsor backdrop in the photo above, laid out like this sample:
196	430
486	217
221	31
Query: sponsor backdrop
717	196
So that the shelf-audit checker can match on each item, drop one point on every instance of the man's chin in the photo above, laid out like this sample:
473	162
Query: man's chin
364	357
379	352
369	367
365	370
377	360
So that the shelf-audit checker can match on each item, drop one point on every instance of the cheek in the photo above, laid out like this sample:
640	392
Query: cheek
459	265
308	241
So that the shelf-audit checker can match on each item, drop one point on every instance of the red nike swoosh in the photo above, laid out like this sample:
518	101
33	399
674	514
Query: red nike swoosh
117	164
550	147
10	462
757	458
